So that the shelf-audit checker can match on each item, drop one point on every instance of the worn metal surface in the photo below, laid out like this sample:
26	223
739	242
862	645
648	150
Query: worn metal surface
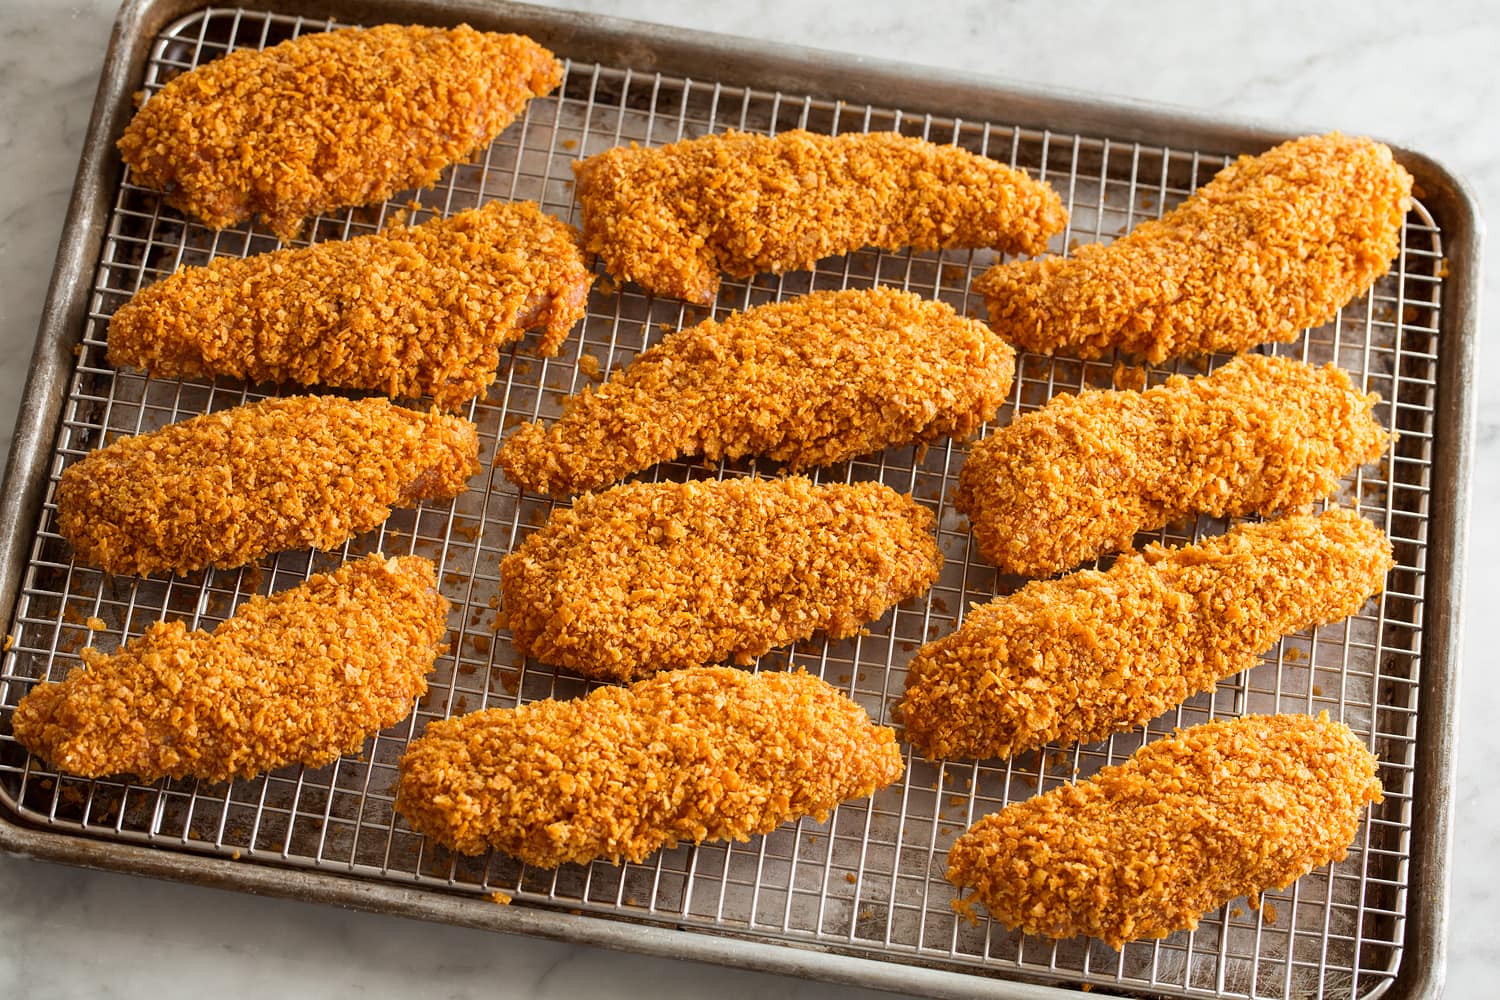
859	898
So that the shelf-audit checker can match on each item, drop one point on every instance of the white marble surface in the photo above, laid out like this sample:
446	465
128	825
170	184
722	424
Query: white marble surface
1425	78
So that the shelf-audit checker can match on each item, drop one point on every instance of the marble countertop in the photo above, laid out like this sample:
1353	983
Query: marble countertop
1365	67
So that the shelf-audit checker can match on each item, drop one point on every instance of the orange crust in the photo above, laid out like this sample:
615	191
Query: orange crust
227	488
657	576
812	381
692	755
1143	849
411	311
671	218
1272	245
297	678
1080	477
332	119
1093	653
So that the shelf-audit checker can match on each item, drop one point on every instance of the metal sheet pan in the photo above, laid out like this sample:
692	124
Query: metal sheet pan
860	898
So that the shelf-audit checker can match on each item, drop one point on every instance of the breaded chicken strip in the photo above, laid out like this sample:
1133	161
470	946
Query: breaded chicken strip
1228	808
1272	245
812	381
671	218
706	754
657	576
412	311
1081	476
328	120
296	678
227	488
1075	659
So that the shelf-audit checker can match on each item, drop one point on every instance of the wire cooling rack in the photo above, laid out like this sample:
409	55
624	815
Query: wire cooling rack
867	882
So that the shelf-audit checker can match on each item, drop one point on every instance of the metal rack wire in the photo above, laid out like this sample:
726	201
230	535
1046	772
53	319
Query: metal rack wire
869	880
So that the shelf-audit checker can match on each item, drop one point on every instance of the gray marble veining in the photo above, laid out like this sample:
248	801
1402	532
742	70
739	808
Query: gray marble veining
1423	77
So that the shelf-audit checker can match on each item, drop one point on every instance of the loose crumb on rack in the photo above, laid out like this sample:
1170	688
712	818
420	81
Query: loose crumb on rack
1131	377
502	898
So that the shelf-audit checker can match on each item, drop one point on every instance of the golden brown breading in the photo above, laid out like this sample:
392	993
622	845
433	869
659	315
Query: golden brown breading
656	576
1228	808
706	754
226	488
812	381
1081	476
407	312
296	678
671	218
1272	245
1093	653
332	119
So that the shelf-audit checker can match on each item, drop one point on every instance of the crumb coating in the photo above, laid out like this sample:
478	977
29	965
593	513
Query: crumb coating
671	218
296	678
1145	848
331	119
412	311
812	381
658	576
1272	245
1081	476
226	488
1075	659
712	753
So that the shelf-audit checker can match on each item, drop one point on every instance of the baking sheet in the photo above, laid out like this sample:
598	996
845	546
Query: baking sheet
868	882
